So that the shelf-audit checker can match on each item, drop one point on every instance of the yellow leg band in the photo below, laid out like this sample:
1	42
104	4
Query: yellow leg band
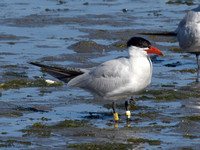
116	118
128	114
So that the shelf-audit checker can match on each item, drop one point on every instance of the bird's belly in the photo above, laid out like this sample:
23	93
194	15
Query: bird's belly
133	87
189	38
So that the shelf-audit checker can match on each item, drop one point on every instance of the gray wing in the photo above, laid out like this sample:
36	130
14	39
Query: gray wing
104	78
187	31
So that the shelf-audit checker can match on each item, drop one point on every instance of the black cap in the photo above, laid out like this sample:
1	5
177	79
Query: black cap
139	42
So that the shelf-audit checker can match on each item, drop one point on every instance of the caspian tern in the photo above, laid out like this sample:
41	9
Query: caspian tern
114	79
188	33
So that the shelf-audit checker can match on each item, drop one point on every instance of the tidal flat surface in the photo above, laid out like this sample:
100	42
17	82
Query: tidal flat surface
83	34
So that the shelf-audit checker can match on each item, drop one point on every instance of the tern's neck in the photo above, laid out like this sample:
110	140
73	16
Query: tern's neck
136	52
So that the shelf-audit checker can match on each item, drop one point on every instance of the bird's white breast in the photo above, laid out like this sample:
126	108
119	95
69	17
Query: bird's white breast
139	77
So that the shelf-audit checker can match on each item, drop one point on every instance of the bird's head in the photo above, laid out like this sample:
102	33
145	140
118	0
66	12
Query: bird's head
142	46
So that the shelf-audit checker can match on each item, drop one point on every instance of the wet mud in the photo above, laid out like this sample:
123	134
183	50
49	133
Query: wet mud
36	114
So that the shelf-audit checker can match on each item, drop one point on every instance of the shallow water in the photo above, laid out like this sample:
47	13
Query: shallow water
46	31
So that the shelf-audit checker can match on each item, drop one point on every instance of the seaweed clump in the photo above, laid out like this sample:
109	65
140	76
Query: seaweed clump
178	2
170	94
105	146
141	140
17	83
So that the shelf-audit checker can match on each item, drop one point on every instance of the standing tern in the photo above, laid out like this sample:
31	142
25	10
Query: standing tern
114	79
188	34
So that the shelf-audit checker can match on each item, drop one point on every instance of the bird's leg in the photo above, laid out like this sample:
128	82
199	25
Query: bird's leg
127	106
197	57
128	113
115	114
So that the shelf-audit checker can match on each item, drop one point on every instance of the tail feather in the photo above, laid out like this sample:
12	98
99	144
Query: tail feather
62	74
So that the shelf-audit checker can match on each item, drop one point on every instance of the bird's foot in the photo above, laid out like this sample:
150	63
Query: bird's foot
116	117
115	114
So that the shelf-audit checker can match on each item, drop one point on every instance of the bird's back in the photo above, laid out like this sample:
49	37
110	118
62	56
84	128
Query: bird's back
188	31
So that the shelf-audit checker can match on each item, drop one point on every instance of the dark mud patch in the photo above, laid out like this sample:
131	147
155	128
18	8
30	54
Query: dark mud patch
7	53
35	20
111	35
13	143
46	46
11	37
15	74
29	109
41	20
93	47
82	60
87	47
174	64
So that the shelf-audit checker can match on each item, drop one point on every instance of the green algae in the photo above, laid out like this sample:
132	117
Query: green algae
42	130
11	114
176	50
170	94
141	140
36	132
62	124
192	118
178	2
188	71
45	119
104	146
4	133
187	135
17	83
192	71
148	114
9	66
166	121
11	143
120	45
187	148
70	123
39	125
